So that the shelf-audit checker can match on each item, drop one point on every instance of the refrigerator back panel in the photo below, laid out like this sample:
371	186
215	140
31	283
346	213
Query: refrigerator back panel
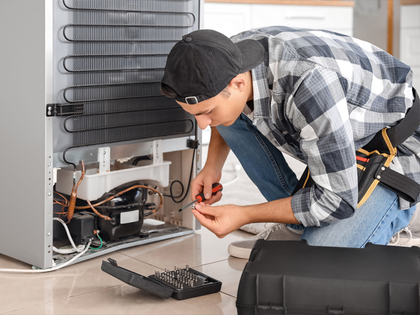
109	60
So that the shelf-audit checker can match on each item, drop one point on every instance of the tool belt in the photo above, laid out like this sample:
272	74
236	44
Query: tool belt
374	158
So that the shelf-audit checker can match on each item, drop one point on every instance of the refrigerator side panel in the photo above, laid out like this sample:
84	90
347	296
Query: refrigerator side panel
25	132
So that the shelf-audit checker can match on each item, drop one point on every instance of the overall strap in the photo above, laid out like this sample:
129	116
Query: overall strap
386	143
400	132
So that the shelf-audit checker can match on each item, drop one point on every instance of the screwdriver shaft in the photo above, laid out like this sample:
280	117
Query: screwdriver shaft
188	205
200	197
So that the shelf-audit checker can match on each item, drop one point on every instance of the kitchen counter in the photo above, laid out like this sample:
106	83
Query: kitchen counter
409	2
233	16
295	2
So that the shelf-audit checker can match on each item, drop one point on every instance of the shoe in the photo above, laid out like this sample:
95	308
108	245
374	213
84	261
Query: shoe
256	228
242	249
405	238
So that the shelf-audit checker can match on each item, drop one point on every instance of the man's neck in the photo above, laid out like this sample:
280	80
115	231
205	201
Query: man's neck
250	104
250	87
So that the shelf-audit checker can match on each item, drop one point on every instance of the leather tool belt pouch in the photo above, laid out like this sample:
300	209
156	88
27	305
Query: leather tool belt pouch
374	159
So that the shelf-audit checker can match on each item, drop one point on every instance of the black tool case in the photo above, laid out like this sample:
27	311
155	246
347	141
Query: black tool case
161	284
291	277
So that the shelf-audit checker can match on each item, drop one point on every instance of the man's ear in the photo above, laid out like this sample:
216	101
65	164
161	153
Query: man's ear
238	83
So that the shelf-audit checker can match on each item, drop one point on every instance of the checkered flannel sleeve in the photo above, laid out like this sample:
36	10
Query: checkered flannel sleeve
319	109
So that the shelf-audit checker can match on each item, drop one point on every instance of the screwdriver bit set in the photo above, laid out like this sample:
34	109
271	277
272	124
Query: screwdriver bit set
180	278
180	283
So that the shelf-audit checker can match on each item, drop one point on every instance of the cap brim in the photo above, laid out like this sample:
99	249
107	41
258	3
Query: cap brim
252	54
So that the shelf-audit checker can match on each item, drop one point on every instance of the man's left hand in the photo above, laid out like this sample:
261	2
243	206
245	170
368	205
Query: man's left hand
221	220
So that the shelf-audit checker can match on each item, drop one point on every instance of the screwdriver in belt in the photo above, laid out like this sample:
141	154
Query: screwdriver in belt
200	197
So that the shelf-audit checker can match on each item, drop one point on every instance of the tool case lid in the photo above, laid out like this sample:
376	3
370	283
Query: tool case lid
136	280
374	262
291	277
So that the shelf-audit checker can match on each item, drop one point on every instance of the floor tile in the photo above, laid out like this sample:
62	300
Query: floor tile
124	299
228	271
23	290
203	247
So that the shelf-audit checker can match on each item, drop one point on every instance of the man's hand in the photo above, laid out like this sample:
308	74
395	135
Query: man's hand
212	171
203	184
221	220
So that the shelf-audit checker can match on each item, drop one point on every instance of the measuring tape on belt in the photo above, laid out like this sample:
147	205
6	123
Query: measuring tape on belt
374	159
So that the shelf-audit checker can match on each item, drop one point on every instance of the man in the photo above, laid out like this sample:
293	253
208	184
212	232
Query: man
315	95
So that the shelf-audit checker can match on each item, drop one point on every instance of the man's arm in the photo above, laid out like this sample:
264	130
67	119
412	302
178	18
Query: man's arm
218	150
212	171
222	220
319	110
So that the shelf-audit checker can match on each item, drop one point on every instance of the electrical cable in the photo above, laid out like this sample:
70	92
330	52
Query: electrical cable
51	269
100	246
75	248
182	186
170	190
66	251
79	249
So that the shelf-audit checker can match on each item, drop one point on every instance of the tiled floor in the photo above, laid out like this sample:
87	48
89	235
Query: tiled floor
84	289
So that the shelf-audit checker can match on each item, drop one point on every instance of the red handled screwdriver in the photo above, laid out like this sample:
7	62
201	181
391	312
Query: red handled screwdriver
200	197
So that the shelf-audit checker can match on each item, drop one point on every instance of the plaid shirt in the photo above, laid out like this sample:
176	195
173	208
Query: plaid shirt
319	96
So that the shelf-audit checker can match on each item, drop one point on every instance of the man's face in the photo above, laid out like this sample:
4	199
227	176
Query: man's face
219	110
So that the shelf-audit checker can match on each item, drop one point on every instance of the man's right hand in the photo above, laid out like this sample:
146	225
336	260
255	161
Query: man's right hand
203	184
212	171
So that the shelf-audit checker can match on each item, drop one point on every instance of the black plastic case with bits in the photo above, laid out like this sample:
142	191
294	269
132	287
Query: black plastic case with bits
180	283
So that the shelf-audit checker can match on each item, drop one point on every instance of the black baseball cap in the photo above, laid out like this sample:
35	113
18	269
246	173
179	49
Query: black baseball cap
203	63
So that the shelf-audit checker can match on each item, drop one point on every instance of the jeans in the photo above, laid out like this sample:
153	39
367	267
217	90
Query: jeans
376	221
